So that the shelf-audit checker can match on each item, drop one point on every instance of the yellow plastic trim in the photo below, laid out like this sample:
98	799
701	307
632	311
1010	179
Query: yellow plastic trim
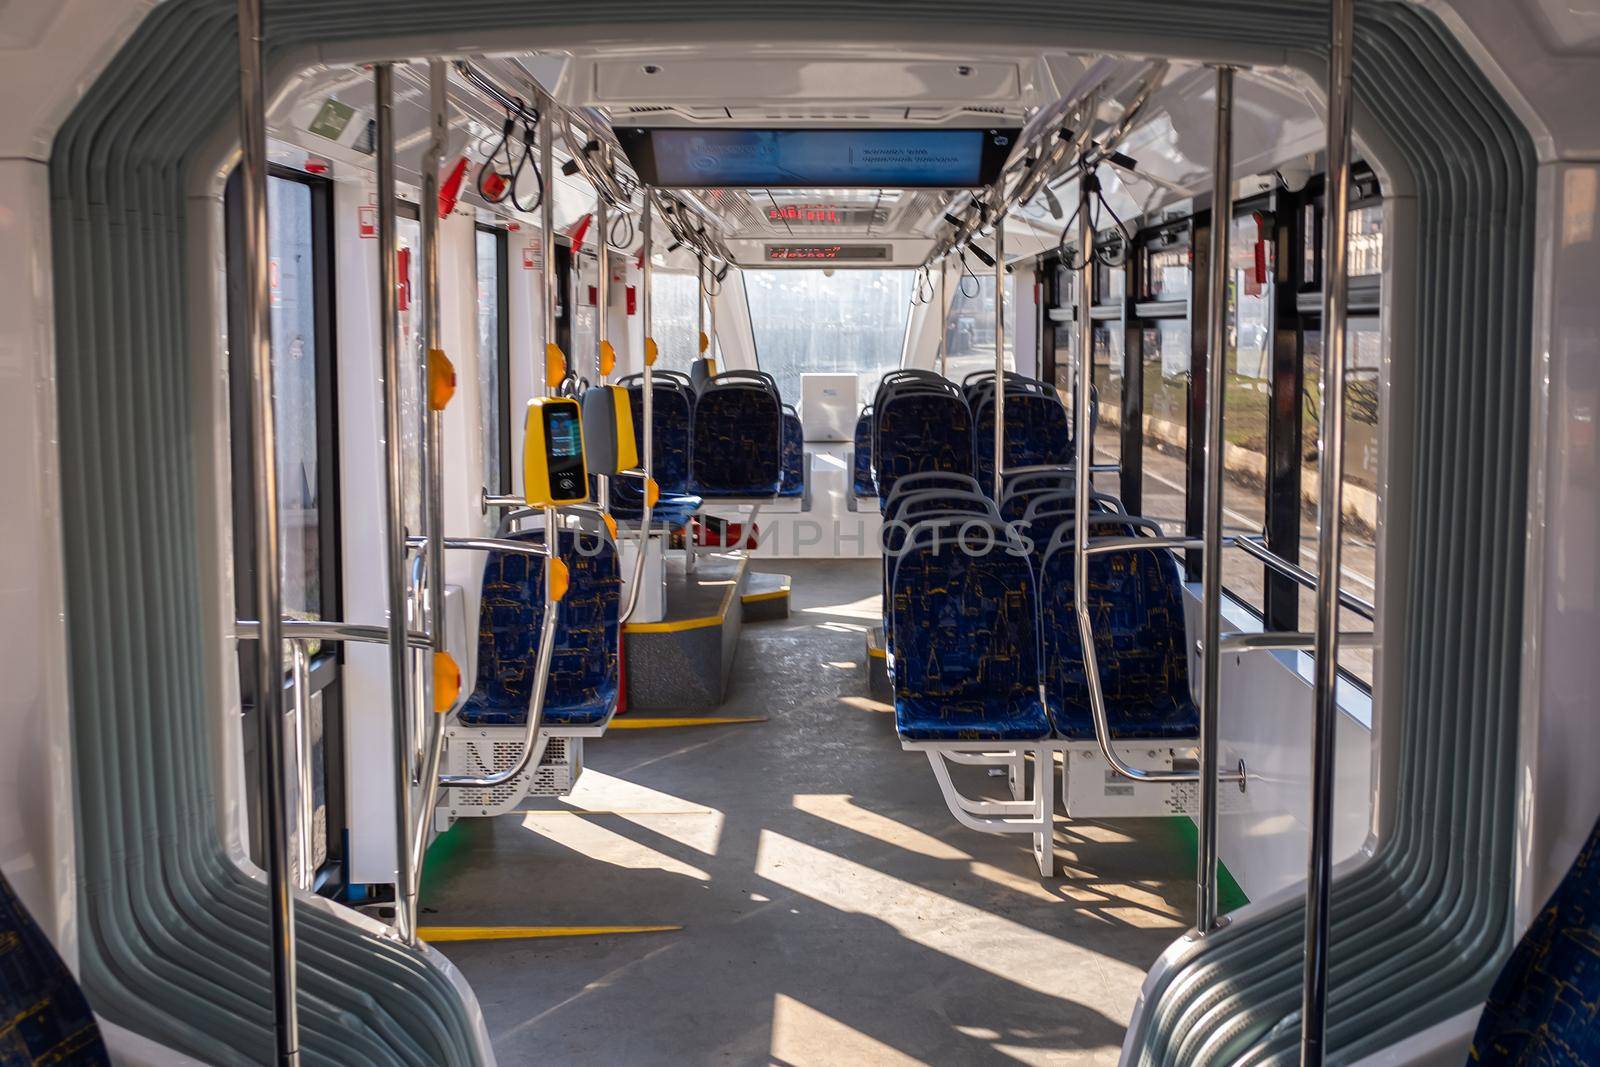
627	449
441	379
673	626
437	934
877	653
555	365
446	682
705	342
651	351
652	491
770	594
663	722
608	358
711	366
560	578
611	526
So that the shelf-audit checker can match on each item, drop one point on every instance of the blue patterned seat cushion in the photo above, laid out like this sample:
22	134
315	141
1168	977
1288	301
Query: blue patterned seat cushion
794	455
965	646
1544	1009
673	413
736	447
44	1018
674	509
1036	433
921	431
1136	601
583	669
862	456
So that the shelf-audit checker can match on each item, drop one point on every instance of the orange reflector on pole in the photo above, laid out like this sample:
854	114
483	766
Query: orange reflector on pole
560	578
608	359
652	492
441	379
555	365
446	682
651	351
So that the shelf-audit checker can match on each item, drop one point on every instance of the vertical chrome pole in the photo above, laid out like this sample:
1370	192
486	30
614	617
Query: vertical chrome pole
700	306
1211	590
999	354
304	807
602	289
648	407
713	349
394	497
1336	229
433	746
269	601
944	318
552	290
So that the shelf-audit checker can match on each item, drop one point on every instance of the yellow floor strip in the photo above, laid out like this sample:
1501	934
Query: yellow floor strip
773	594
436	934
661	722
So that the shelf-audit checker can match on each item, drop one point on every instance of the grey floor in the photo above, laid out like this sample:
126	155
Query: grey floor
832	910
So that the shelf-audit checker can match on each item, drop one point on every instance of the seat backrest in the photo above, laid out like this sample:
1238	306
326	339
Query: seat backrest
1541	1008
919	431
1066	500
794	454
673	415
44	1015
861	455
1036	432
584	666
1136	600
699	375
923	481
964	617
736	444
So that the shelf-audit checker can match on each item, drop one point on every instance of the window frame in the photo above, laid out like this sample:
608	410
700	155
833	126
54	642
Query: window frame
324	670
502	298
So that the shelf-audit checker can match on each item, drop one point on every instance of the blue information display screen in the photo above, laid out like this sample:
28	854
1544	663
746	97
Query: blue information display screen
702	157
563	433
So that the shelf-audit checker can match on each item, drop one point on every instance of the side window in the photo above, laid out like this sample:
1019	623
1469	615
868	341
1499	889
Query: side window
494	357
674	319
969	328
300	277
1247	370
1165	358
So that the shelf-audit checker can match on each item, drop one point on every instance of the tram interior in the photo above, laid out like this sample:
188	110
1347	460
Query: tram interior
825	481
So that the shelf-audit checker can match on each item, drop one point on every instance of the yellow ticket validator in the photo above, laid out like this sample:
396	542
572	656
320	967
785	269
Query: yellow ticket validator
553	471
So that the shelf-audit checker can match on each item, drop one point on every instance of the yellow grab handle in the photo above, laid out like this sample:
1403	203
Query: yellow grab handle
441	379
652	492
446	682
555	365
651	351
560	578
608	359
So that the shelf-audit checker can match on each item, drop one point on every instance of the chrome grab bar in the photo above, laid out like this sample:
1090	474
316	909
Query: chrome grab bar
1289	641
1335	290
1257	548
326	630
648	438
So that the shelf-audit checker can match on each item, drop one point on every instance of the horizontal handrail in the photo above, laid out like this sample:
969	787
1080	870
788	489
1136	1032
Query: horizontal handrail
325	630
1289	641
1257	548
486	544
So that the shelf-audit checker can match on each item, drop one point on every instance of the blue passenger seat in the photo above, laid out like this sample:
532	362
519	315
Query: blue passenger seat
44	1018
861	457
920	428
965	639
1541	1009
1136	601
794	454
1036	431
736	442
584	676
